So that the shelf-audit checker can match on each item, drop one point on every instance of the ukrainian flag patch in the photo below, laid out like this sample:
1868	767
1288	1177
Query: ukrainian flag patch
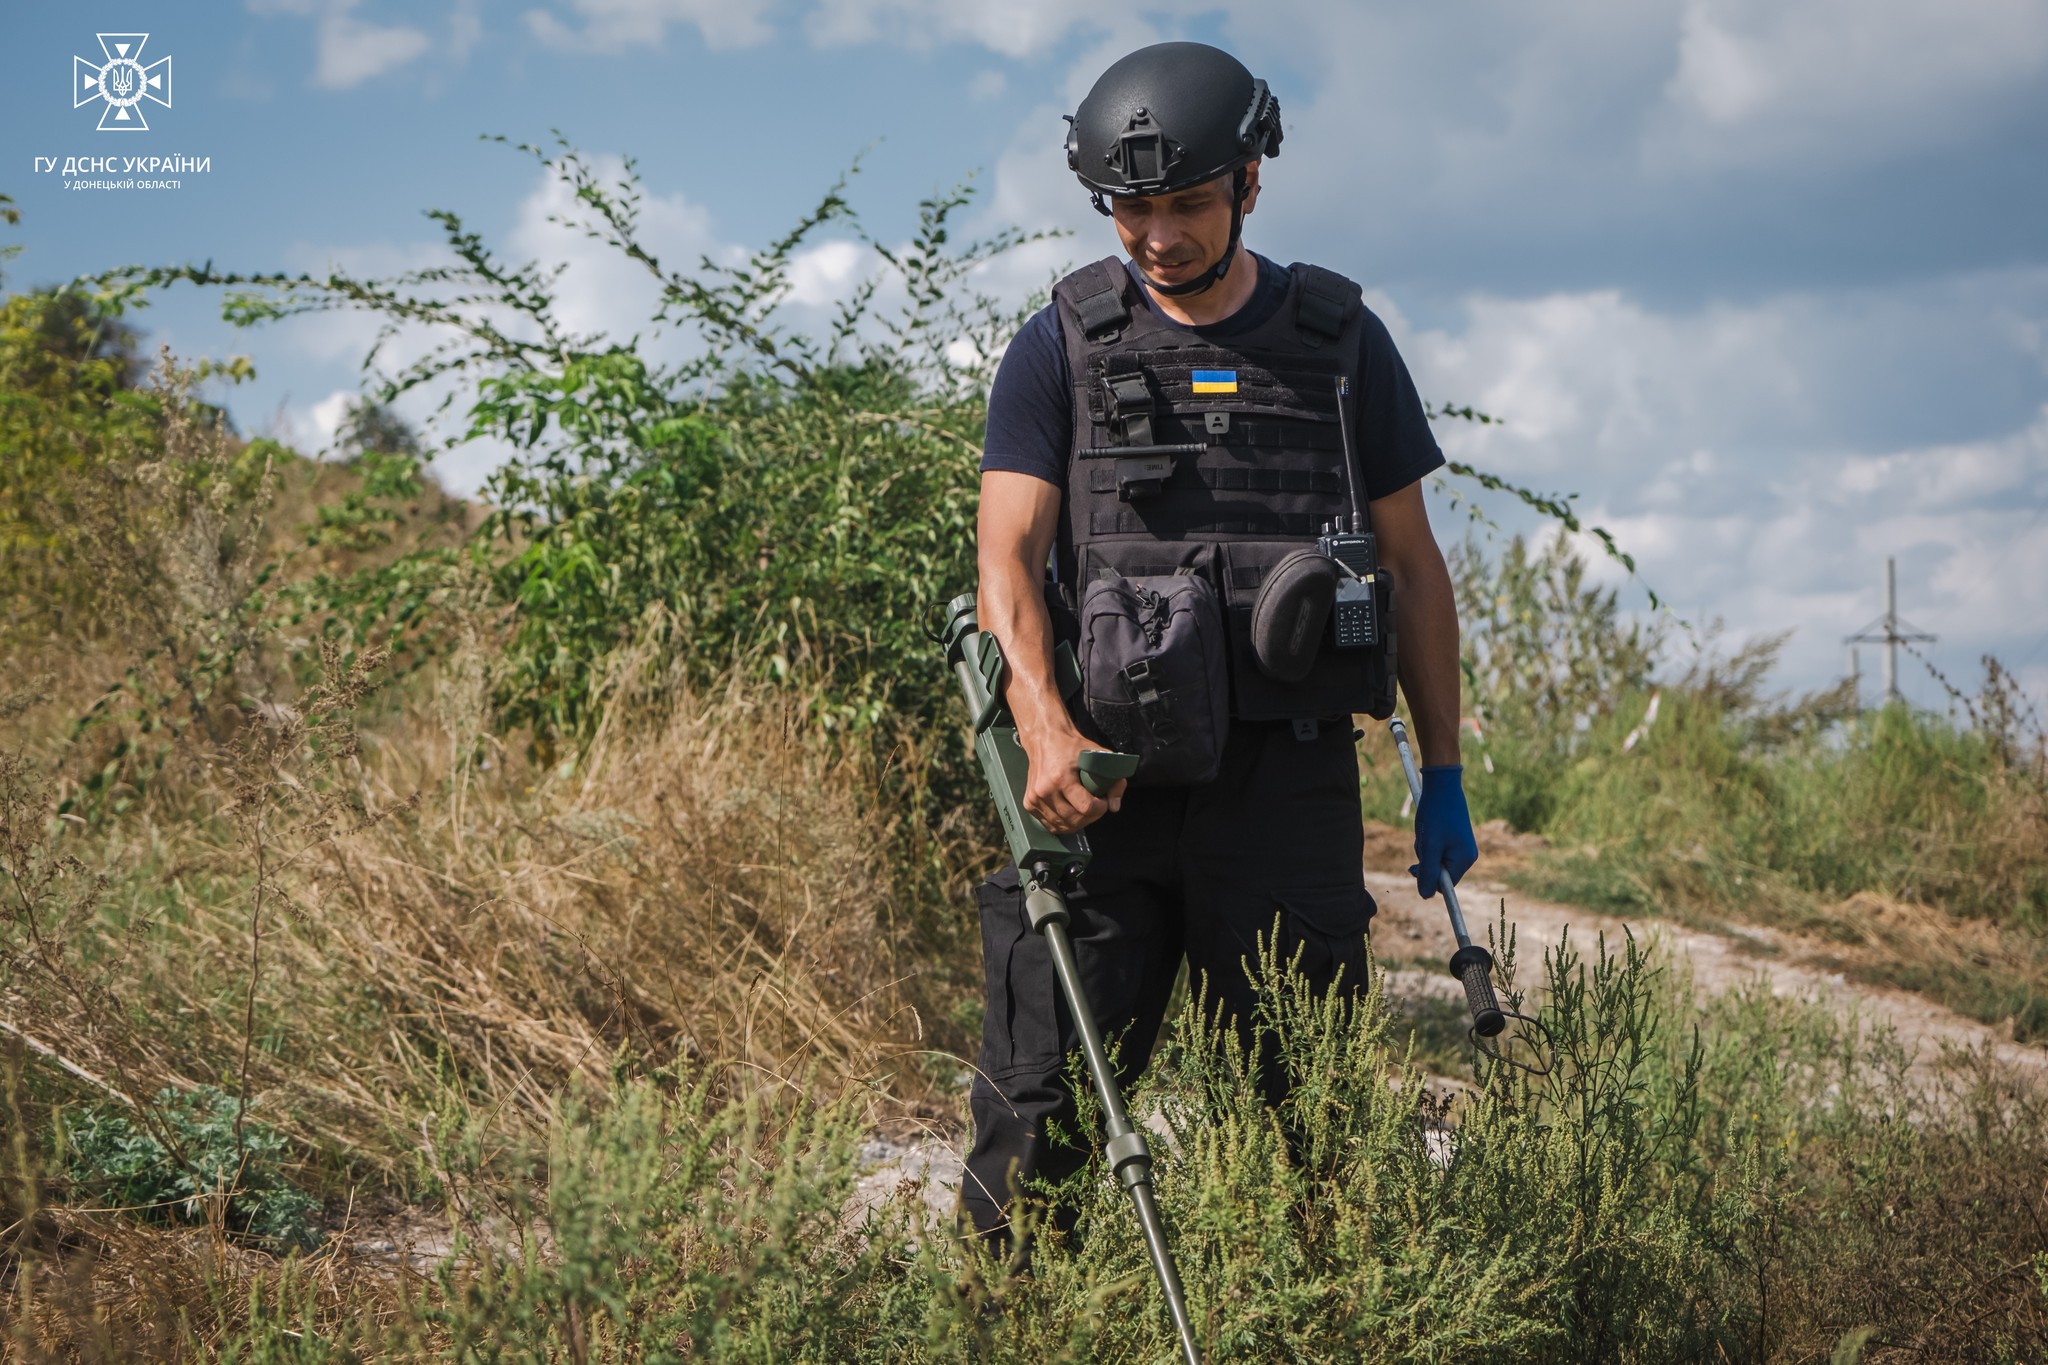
1215	381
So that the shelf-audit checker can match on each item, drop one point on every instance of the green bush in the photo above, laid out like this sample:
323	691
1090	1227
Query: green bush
198	1146
1750	1181
786	506
1546	656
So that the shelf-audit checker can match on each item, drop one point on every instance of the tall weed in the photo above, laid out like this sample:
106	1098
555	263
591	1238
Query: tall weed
1751	1181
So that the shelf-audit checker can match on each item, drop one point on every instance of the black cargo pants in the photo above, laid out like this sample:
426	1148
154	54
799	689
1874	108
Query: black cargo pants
1200	871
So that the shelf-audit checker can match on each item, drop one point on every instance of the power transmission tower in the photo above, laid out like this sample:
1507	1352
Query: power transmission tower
1888	630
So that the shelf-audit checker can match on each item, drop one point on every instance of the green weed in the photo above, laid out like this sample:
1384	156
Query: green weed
199	1157
1750	1181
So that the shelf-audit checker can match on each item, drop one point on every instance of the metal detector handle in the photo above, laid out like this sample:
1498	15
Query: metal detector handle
1050	862
1102	769
1471	964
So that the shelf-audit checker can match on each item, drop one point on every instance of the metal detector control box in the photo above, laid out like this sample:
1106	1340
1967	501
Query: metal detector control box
977	661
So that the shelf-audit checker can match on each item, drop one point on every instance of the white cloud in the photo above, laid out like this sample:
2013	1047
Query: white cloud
826	273
618	25
602	290
338	341
352	51
1508	130
1712	444
1766	79
310	429
313	428
1596	383
345	337
599	292
349	50
1001	26
465	27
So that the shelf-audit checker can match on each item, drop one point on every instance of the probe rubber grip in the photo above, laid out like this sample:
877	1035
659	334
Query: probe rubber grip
1473	966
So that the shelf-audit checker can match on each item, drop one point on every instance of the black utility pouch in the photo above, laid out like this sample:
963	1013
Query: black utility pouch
1336	682
1154	676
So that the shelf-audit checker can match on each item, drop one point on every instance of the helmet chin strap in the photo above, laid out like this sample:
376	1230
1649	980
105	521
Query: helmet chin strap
1215	273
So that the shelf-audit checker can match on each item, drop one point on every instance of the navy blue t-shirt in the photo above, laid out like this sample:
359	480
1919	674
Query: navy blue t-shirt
1031	406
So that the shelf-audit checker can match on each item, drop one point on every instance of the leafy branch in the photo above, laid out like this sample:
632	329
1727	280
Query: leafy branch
1558	507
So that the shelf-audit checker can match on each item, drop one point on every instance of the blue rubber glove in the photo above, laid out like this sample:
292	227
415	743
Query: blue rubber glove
1443	829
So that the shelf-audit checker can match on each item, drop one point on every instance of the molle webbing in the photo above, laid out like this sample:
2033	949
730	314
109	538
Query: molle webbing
1127	520
1102	479
1325	297
1272	434
1283	386
1255	417
1259	469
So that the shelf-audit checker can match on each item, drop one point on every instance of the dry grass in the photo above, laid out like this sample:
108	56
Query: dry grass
358	908
366	900
444	921
442	941
1993	972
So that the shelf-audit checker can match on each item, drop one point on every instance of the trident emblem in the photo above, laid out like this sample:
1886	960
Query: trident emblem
122	81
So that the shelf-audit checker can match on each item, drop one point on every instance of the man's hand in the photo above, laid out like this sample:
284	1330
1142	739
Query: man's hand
1052	787
1430	681
1444	846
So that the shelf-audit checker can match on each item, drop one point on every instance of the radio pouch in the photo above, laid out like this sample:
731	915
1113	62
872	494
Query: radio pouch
1154	673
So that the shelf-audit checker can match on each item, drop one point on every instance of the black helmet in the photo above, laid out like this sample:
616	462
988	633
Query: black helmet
1168	117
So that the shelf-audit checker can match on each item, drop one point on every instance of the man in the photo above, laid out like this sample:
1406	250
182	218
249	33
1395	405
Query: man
1150	352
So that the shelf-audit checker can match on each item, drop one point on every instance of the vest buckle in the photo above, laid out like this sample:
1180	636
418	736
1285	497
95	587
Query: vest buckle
1130	407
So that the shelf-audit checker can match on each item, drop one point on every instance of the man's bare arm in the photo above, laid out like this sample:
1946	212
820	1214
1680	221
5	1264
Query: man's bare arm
1015	525
1428	610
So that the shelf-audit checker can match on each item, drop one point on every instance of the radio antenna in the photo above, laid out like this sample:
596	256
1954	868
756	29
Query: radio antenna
1350	455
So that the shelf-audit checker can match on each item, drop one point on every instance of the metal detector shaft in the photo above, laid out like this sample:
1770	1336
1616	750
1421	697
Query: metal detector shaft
1471	964
1049	863
1126	1150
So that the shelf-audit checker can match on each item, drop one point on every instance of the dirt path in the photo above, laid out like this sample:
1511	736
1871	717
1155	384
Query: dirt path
1409	928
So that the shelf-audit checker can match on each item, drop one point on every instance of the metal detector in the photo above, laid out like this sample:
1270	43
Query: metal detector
1050	864
1471	964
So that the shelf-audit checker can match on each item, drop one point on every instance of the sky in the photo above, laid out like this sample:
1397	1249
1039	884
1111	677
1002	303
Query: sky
1764	282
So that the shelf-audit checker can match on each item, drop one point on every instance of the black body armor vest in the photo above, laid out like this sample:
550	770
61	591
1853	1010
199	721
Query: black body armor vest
1257	473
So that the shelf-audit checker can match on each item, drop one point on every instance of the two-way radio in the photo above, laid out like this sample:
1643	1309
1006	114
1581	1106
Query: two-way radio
1355	616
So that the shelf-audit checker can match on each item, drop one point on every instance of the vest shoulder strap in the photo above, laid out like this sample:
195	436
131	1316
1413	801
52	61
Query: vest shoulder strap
1096	294
1324	300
